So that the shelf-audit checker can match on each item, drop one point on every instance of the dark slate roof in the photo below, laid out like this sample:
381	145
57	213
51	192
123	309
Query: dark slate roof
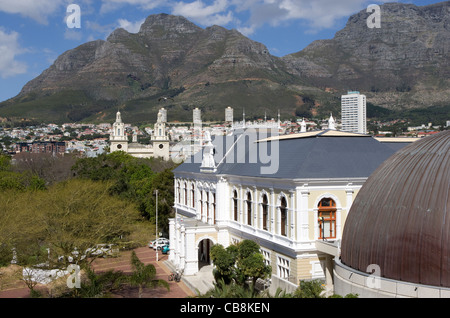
321	154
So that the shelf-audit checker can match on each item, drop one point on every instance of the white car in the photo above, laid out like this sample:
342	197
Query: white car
158	243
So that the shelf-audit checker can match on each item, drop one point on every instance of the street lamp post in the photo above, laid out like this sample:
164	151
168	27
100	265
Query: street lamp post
156	223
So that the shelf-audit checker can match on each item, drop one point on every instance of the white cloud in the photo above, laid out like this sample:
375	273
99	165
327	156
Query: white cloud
197	11
316	15
9	49
132	27
36	10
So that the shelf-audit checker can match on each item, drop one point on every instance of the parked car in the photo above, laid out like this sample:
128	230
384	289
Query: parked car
165	249
158	243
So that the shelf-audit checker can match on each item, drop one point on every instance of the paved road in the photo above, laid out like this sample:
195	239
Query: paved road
146	255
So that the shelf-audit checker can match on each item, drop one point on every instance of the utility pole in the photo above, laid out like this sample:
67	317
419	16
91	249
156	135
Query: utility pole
157	236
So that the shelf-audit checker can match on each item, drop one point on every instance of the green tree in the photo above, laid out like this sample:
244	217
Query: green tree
250	262
310	289
96	285
224	261
81	214
134	179
144	275
11	180
239	264
163	182
68	219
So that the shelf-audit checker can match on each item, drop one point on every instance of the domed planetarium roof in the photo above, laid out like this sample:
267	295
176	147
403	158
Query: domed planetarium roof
400	219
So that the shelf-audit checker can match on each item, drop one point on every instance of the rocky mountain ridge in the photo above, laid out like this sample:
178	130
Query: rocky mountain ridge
403	64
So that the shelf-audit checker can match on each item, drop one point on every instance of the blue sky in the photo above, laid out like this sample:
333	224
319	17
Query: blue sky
33	33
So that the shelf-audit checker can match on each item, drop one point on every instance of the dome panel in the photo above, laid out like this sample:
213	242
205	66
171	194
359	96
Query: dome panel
400	220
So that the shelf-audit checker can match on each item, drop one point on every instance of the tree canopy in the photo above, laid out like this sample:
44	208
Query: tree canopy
239	263
62	222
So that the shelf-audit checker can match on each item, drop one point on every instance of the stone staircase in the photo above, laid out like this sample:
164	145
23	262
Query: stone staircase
200	282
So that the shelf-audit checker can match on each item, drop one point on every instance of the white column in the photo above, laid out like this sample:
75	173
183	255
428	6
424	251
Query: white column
255	209
223	202
183	247
177	245
172	239
191	257
302	215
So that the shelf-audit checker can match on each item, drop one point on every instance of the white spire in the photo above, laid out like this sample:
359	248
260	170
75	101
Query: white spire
331	123
303	126
118	117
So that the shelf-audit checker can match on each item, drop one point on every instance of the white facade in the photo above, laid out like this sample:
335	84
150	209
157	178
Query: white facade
296	213
160	140
197	116
229	117
282	216
353	112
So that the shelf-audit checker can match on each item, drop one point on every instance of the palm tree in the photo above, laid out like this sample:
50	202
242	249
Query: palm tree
144	275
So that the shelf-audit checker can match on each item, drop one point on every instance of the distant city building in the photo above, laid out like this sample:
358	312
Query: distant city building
353	110
197	116
160	139
229	117
54	147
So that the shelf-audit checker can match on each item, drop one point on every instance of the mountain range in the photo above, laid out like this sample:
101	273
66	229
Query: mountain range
402	65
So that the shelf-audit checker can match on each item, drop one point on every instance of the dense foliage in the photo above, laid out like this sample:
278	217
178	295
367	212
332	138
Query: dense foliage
107	199
238	264
135	180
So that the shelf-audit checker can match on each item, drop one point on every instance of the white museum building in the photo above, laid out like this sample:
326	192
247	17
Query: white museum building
291	194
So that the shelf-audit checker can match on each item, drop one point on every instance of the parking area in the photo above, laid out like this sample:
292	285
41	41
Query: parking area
123	263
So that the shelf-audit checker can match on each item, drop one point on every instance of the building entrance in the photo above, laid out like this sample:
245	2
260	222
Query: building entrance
204	248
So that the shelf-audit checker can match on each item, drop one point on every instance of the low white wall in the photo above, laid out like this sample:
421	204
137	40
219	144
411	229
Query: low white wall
348	280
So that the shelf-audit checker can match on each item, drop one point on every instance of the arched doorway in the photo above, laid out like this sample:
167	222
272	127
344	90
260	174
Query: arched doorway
204	248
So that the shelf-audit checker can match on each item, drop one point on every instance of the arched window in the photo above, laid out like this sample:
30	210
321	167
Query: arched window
235	205
265	211
327	218
249	208
193	195
283	216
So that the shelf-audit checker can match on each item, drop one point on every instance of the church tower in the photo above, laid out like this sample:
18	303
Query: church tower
118	139
160	139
